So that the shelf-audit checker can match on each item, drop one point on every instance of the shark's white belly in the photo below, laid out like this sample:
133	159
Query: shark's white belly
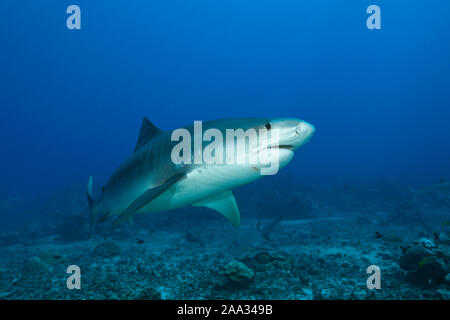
200	184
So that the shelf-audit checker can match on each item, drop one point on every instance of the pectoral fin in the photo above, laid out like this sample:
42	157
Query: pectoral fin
145	198
225	204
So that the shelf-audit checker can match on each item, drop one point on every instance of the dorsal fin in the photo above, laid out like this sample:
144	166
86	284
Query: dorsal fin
443	180
147	133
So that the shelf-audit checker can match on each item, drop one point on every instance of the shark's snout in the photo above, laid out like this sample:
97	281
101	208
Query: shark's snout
304	131
293	132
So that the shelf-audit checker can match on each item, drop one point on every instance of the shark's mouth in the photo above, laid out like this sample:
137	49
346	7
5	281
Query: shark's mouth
281	146
278	146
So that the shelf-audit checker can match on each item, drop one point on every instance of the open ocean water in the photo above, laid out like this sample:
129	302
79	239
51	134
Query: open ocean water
362	211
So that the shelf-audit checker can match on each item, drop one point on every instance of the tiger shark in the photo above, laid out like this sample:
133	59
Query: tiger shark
151	181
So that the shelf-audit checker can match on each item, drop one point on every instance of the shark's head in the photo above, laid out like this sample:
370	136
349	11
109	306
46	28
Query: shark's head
286	135
292	133
254	143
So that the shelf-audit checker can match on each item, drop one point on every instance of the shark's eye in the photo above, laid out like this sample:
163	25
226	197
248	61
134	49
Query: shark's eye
268	126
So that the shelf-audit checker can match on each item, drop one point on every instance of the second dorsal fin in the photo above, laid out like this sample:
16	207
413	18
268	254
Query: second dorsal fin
147	133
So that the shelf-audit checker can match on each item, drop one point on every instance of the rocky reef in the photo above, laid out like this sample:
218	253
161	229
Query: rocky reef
316	252
322	258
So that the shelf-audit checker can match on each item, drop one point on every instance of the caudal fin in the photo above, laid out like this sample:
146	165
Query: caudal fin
91	200
96	208
91	203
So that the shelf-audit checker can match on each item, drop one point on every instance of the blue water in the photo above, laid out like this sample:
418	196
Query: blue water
72	101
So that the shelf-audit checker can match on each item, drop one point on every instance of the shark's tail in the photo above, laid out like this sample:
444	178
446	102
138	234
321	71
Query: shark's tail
91	203
96	208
